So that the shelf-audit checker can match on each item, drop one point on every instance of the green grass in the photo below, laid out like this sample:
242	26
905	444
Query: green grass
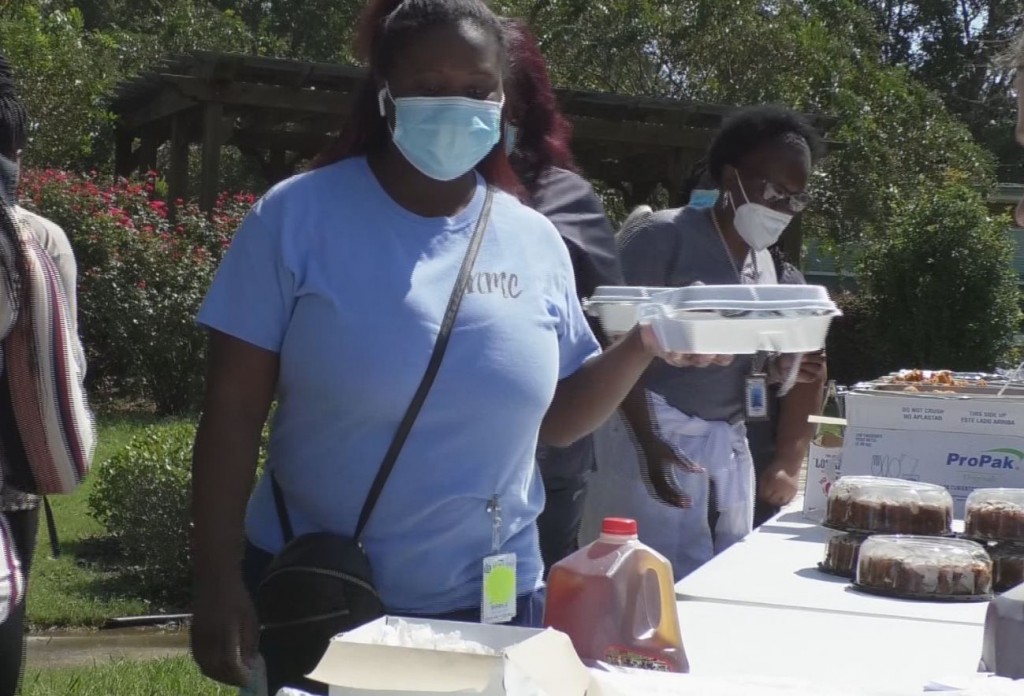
168	677
84	588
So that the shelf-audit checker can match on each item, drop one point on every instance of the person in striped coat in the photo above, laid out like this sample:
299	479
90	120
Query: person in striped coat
31	247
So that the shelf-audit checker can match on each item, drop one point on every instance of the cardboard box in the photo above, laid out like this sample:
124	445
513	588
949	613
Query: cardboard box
960	442
532	663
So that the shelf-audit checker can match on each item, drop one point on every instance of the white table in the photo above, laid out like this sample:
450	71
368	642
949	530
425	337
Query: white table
776	566
880	655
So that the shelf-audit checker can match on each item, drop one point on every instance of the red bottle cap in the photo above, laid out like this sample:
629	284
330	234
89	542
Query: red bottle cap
618	526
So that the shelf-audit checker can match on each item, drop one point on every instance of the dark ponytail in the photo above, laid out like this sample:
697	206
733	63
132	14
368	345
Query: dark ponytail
386	27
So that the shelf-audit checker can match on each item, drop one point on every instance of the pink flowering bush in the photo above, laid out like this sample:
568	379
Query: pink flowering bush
142	274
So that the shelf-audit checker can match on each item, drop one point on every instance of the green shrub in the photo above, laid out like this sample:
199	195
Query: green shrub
942	286
1013	358
141	495
854	352
142	276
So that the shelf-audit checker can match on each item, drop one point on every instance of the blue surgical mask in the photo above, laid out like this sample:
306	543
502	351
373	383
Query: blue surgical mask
511	135
703	198
444	137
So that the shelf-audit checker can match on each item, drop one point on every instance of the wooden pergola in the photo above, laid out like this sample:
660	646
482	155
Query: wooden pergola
283	112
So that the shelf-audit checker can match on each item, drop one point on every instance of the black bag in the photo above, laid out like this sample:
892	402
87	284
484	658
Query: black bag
321	584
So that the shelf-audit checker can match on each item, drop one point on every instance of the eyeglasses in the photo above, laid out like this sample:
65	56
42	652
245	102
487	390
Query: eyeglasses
796	202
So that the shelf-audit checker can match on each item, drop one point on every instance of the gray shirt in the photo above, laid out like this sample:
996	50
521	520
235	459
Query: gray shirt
676	248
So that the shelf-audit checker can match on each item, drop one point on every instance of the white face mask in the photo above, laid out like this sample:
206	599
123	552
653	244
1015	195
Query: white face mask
758	225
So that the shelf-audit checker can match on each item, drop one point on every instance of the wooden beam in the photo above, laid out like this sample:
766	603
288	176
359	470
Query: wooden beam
147	153
213	119
167	103
632	173
277	165
263	96
284	70
177	180
656	135
677	173
618	108
124	141
305	142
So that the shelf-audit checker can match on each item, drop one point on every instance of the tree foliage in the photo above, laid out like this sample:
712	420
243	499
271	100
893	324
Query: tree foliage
907	83
914	101
894	135
63	70
943	293
949	46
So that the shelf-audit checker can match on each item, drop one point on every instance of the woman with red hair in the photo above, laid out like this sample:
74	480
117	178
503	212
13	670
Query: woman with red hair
401	465
537	138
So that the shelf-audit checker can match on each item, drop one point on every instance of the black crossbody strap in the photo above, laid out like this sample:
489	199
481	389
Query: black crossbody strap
454	302
282	510
411	413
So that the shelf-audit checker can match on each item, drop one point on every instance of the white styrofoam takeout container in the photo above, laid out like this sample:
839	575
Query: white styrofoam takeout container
618	308
530	662
723	319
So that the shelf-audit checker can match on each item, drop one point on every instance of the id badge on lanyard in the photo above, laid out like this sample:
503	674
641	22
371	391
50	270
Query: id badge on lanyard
498	596
755	393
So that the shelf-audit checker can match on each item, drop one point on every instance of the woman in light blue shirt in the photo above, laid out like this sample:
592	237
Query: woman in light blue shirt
330	299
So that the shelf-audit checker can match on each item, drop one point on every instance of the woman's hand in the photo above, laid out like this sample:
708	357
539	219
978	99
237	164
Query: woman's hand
661	461
676	359
225	632
777	486
239	389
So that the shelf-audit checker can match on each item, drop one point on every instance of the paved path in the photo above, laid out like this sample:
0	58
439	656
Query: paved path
85	649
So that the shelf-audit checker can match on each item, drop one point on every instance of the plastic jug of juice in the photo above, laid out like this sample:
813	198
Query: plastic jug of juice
616	602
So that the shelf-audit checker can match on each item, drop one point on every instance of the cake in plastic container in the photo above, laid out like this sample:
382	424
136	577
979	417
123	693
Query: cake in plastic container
996	514
841	554
875	505
924	567
1007	566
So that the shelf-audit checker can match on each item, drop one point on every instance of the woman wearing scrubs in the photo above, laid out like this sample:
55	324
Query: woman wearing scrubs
692	488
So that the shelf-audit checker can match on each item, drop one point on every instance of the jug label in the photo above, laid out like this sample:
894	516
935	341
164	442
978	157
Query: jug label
498	604
625	657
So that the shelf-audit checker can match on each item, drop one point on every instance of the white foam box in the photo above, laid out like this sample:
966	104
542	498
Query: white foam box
960	442
530	662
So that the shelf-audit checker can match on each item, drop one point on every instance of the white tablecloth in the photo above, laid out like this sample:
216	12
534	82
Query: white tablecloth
763	609
776	566
878	655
